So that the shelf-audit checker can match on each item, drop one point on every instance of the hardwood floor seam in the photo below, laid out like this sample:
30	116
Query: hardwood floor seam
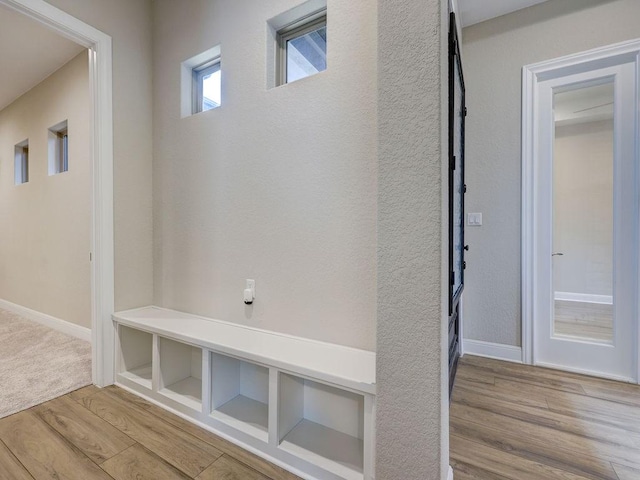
224	446
495	465
595	436
541	458
123	451
106	434
13	455
246	465
535	423
139	462
66	456
182	450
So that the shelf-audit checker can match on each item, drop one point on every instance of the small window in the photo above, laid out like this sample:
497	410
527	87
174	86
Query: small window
21	165
302	48
59	148
201	82
207	86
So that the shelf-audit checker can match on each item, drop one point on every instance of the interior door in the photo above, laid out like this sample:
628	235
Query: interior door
586	246
457	189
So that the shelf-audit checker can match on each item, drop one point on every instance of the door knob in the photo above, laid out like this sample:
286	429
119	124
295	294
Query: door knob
557	254
466	247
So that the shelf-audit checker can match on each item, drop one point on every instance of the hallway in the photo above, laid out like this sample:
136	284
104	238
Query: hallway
517	422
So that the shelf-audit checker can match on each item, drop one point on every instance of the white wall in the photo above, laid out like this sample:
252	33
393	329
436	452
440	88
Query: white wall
45	238
583	208
129	24
277	185
494	54
412	397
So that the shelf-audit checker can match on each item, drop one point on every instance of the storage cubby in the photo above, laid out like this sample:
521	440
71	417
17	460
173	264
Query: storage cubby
240	394
181	372
322	424
308	406
136	349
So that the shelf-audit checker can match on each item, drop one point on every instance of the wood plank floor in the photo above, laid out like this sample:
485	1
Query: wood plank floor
110	434
516	422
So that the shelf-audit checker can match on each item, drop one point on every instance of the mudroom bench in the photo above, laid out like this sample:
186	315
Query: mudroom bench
305	405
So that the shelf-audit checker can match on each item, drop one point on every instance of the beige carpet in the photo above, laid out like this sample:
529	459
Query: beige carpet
38	364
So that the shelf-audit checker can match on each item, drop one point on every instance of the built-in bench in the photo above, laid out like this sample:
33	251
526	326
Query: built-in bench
305	405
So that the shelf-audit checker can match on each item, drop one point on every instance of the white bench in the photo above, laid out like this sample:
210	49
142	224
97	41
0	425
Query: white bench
305	405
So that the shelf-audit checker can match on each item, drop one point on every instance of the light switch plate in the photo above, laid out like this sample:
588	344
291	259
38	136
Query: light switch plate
474	219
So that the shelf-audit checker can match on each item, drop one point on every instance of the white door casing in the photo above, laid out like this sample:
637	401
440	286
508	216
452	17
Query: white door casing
102	246
619	63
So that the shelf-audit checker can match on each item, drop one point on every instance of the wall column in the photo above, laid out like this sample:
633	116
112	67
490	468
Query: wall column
412	403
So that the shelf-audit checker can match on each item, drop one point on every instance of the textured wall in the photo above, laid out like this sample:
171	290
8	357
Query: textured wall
128	22
277	185
45	238
494	53
412	420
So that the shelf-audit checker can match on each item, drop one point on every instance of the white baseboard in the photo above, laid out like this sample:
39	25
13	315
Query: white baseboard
498	351
583	297
63	326
450	473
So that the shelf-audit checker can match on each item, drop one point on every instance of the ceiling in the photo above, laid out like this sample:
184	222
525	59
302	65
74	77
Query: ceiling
29	54
582	105
476	11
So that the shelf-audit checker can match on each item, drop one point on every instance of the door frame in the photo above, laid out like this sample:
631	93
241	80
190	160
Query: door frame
102	244
532	75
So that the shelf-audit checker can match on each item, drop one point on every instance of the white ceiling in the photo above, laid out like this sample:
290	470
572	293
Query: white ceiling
476	11
583	105
29	53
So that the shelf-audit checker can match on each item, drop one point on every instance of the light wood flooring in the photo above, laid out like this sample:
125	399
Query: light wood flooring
110	434
592	321
516	422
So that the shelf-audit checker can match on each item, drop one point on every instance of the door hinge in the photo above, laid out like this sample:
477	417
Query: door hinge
464	189
465	111
464	265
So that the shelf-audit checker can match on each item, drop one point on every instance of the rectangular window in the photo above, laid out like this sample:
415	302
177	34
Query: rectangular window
302	48
207	86
21	165
59	148
201	82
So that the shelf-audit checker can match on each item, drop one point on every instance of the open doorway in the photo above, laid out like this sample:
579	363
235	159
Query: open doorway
102	231
45	213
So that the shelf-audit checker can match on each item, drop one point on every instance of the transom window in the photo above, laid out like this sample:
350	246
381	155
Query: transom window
302	48
59	148
207	86
21	163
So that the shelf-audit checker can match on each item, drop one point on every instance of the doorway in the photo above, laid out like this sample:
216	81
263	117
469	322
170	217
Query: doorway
101	132
580	213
